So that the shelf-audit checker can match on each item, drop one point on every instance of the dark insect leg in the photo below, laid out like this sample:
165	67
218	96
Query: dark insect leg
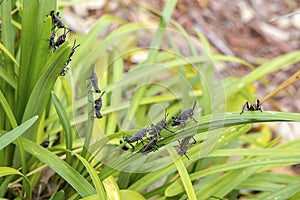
159	134
193	119
186	156
194	105
258	105
246	105
142	141
132	149
194	140
168	129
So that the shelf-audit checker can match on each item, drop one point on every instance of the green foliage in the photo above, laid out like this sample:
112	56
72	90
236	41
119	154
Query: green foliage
86	154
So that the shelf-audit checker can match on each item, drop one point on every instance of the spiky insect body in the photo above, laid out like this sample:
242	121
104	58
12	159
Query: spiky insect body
52	42
157	128
61	39
184	116
138	136
65	68
98	106
252	107
150	146
184	144
45	143
56	20
94	81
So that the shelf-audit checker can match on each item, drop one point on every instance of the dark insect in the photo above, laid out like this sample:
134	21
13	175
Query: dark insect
252	107
52	42
184	145
94	80
45	143
56	19
72	52
138	136
156	129
61	39
181	119
151	146
63	71
65	68
98	106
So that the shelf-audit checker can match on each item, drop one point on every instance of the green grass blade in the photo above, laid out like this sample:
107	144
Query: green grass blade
158	37
34	47
5	171
41	93
282	193
152	177
41	51
6	51
268	160
65	122
58	196
10	136
266	68
9	113
9	79
95	179
269	67
29	18
266	181
90	121
226	183
226	58
92	197
185	179
118	68
88	42
112	189
132	195
253	152
76	180
152	56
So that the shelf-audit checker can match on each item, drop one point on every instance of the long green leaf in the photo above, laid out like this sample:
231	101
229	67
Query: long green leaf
65	122
10	136
132	195
96	180
5	171
76	180
9	113
6	51
226	183
41	93
283	193
34	47
29	18
183	174
9	79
